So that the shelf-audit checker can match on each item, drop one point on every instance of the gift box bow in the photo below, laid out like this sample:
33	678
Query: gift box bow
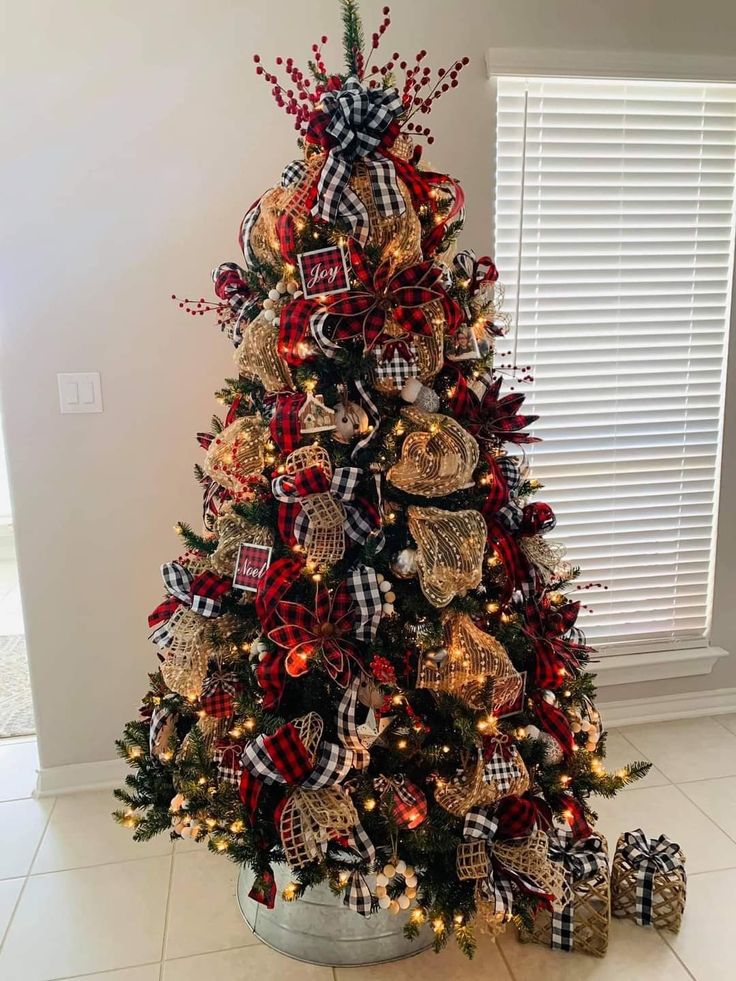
201	593
649	856
580	859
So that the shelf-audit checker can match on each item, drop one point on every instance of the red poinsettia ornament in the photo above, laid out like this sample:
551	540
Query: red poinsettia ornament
487	416
307	635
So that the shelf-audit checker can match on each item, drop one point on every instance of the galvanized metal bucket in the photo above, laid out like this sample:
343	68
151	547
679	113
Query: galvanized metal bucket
319	929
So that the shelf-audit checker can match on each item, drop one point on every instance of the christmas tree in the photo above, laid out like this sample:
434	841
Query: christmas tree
370	667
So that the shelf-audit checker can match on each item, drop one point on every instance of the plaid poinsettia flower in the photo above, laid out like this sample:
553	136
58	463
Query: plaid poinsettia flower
308	635
488	415
558	645
381	294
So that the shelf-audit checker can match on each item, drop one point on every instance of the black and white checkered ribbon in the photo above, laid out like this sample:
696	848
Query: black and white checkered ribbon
394	366
293	173
648	856
359	117
331	765
364	588
580	859
178	583
343	484
347	725
161	717
482	824
358	896
251	217
502	768
510	516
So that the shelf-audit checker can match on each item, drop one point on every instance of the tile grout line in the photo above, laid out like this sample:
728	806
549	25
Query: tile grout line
167	913
27	875
706	815
106	970
636	749
96	865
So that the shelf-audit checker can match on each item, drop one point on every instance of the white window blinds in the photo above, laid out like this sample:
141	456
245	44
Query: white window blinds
614	238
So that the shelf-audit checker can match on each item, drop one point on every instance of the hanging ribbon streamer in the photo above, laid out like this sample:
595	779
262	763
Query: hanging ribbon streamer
364	588
580	860
554	721
285	425
347	725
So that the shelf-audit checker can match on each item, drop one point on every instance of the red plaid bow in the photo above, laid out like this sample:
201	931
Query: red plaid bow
519	816
489	417
407	803
546	625
400	296
574	814
219	693
554	721
305	636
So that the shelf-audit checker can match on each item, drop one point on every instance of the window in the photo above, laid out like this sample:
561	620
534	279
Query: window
614	238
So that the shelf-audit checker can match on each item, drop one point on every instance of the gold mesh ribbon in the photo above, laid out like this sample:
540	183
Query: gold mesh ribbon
233	531
436	459
185	667
258	356
450	547
474	658
237	453
470	788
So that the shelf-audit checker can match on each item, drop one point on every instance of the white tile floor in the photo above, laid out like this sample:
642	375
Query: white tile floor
78	899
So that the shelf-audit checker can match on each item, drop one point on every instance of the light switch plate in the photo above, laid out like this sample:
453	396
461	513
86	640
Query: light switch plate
79	391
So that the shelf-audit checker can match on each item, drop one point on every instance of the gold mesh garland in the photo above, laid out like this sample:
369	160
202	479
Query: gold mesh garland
545	556
258	356
325	537
232	531
470	788
474	658
185	665
450	547
437	459
208	731
263	238
398	238
591	915
237	453
668	892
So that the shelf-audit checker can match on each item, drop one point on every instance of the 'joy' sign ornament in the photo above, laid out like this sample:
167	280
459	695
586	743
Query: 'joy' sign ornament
324	272
253	561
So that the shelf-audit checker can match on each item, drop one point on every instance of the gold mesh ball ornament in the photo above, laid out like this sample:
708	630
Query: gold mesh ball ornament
474	658
232	531
237	453
325	537
258	356
450	547
437	459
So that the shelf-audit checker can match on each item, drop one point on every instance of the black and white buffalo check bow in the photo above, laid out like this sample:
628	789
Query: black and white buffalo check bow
649	856
202	593
356	121
581	859
503	766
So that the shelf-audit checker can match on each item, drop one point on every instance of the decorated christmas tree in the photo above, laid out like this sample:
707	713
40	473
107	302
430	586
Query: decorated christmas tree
370	665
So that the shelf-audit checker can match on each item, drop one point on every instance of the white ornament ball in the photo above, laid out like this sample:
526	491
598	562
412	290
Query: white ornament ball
404	564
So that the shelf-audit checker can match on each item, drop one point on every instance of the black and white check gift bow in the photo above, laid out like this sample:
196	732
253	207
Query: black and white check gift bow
580	859
357	121
649	856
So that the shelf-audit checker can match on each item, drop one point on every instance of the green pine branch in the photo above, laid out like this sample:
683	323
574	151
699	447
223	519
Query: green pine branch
352	37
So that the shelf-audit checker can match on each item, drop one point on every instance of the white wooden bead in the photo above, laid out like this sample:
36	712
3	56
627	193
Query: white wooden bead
281	286
409	870
394	907
384	902
380	891
384	585
404	901
268	304
388	609
410	880
291	288
410	892
390	597
401	867
389	871
381	879
270	315
274	294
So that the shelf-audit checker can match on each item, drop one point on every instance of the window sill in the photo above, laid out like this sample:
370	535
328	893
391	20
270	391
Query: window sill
627	669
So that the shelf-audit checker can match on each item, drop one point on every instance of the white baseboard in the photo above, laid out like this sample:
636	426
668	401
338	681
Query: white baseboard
53	781
661	708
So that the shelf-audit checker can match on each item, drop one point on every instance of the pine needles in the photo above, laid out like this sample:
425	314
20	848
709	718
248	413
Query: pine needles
352	37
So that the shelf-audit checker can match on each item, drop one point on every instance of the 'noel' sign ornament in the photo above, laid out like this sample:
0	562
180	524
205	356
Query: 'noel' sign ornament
253	561
324	271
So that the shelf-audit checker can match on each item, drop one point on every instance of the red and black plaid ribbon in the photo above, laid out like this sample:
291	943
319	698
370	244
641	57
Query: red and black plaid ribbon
285	426
554	721
400	295
519	816
537	518
489	416
201	593
264	890
287	238
546	625
279	578
219	692
407	802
